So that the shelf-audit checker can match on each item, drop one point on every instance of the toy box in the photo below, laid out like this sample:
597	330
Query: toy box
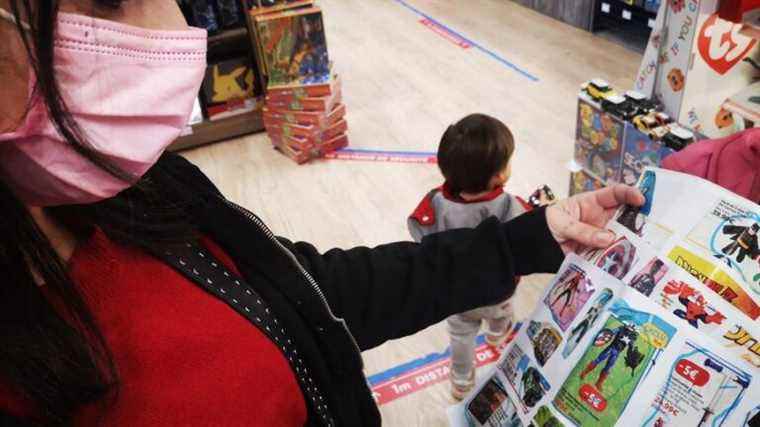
298	156
337	143
338	128
639	152
295	129
581	182
598	146
316	118
296	91
293	46
228	80
303	152
323	104
304	140
231	108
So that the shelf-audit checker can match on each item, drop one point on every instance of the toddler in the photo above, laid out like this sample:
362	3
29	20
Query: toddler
475	159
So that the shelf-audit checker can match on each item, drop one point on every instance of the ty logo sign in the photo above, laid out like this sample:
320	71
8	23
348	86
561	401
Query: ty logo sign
721	45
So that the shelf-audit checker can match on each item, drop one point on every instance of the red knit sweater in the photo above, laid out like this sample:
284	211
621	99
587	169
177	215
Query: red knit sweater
184	358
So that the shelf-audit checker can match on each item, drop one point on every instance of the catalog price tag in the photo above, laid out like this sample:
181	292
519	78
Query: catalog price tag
606	7
627	15
591	396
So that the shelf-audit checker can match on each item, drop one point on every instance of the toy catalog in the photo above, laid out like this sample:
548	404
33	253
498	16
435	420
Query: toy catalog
659	329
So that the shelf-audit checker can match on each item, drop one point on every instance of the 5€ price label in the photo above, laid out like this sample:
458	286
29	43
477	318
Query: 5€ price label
592	397
692	372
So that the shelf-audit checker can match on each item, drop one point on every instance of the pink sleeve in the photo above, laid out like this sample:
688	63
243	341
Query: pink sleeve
694	159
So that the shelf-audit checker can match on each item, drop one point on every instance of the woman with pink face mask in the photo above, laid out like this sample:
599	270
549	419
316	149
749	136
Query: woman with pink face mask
135	294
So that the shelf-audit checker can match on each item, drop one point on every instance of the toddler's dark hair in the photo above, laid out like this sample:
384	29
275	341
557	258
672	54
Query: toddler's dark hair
473	151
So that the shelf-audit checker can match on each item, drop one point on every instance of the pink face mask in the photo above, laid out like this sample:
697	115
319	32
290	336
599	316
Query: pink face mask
130	90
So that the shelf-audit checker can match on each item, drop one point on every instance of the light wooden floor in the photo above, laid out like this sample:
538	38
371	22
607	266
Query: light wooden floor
403	84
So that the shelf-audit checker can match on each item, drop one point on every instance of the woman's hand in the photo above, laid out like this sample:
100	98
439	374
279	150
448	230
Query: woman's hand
577	222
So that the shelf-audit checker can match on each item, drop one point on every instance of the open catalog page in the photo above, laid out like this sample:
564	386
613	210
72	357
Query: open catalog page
659	329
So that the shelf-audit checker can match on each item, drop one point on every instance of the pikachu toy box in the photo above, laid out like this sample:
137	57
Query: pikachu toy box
229	88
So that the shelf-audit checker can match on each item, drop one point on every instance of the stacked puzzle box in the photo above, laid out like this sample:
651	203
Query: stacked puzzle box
303	113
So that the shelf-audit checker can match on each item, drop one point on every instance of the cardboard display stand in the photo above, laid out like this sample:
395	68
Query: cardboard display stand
694	63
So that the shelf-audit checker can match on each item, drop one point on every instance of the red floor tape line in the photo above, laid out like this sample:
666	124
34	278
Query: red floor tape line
419	374
383	156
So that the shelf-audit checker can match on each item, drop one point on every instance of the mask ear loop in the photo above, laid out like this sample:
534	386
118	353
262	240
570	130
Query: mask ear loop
4	14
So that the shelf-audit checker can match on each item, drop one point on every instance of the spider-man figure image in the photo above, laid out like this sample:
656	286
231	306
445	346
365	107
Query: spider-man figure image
623	339
695	306
568	292
744	240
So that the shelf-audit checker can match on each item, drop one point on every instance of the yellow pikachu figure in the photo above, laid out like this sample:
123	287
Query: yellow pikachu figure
226	87
249	81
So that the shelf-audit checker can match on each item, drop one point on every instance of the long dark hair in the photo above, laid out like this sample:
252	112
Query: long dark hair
52	352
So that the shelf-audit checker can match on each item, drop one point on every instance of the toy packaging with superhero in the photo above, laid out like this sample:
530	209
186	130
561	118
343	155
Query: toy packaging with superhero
304	113
658	329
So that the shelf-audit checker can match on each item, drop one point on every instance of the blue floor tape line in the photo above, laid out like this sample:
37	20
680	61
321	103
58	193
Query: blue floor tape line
473	43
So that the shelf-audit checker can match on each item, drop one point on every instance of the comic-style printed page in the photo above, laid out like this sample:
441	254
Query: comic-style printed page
658	329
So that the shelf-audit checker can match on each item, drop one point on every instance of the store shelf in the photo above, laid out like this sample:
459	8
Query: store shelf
741	105
283	6
620	12
228	36
219	130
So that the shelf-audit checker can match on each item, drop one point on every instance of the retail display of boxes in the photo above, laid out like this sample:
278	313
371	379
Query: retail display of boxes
320	104
292	92
618	136
581	182
639	152
304	134
306	117
303	112
599	142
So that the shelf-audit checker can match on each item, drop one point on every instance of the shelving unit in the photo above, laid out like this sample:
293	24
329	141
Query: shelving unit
220	130
632	22
209	131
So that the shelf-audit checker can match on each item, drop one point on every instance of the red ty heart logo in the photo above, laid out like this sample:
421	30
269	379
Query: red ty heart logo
720	44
